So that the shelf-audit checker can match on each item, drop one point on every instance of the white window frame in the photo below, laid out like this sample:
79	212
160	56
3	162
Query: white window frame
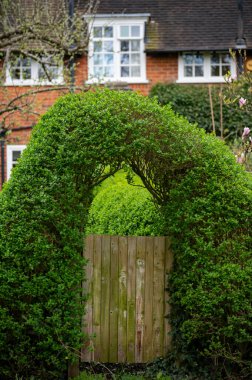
207	78
34	77
117	22
10	162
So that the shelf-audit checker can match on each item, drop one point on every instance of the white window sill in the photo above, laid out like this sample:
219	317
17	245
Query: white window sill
201	80
33	83
115	80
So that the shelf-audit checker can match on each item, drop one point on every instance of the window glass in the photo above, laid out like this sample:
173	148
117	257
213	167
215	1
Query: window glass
215	71
27	69
135	45
135	31
132	47
193	65
199	71
220	64
188	71
16	155
103	56
97	31
48	70
117	51
21	68
13	154
108	31
124	31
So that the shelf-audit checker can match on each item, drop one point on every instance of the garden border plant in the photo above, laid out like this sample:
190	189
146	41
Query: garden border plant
205	198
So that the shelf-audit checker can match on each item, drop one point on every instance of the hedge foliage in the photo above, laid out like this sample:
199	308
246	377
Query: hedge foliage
192	101
122	209
206	201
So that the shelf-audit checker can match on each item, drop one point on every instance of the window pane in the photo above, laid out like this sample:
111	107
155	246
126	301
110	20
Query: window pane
98	59
15	73
26	62
226	58
54	71
124	71
97	31
188	71
199	59
108	59
17	62
215	59
124	31
199	72
108	31
108	71
135	71
97	46
98	71
124	45
125	59
215	71
108	46
188	59
135	45
26	73
135	59
16	155
226	69
135	31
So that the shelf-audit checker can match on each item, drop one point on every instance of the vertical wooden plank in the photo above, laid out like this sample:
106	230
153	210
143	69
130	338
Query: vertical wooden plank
148	312
73	370
140	274
168	268
113	329
122	312
105	298
87	325
131	299
97	298
158	296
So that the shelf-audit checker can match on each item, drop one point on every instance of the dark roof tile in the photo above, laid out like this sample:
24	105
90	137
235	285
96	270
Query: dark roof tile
187	24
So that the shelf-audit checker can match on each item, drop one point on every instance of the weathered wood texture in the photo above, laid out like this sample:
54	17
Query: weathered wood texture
125	312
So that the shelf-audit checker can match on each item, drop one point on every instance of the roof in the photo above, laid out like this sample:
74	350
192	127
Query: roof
179	25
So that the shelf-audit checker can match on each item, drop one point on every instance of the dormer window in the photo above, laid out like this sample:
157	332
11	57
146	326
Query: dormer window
205	67
116	51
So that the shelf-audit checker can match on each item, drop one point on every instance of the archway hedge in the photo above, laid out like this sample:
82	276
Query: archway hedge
205	197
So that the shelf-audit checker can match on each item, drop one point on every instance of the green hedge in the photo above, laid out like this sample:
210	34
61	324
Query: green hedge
205	198
122	209
192	101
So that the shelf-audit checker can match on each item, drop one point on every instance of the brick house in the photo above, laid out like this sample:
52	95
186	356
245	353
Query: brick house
139	44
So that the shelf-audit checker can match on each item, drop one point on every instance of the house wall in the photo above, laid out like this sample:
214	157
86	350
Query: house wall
159	69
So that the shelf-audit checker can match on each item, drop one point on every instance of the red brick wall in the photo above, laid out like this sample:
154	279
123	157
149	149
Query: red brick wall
158	69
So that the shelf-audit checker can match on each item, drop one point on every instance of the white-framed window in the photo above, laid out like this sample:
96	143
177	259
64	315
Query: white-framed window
13	154
205	67
116	50
27	71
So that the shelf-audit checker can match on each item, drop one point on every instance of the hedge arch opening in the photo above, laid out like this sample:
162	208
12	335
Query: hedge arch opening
205	198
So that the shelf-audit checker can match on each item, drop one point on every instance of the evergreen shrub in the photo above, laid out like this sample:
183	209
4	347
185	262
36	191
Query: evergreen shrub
122	209
192	101
205	198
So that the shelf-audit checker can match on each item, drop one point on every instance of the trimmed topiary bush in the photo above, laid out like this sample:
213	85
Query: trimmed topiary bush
205	198
192	101
122	209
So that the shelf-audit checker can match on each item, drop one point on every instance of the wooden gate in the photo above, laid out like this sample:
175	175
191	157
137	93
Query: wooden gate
126	280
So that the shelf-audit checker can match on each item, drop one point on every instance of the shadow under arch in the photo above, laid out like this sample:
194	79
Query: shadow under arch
205	197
